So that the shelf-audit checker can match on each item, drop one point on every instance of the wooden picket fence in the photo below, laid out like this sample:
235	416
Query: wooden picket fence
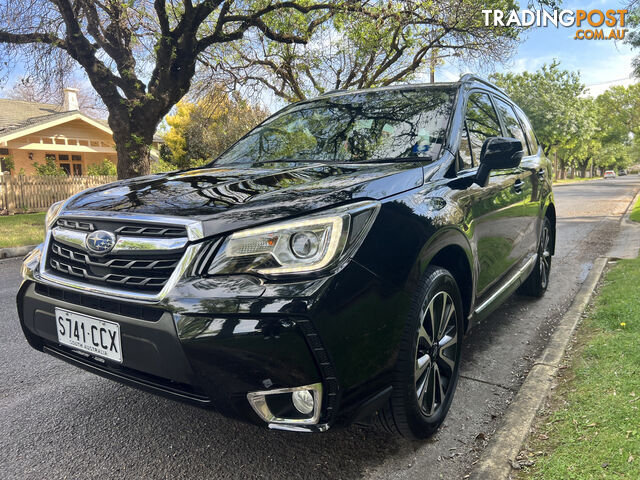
25	193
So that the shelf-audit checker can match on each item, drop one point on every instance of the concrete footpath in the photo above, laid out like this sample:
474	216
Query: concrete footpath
16	251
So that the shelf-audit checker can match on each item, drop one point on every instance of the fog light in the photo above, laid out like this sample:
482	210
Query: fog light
288	406
303	401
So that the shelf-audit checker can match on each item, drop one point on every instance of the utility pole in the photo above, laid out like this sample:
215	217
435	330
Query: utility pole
432	66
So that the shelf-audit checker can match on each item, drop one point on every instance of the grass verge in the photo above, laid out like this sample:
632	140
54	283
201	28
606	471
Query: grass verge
591	428
575	180
21	229
635	213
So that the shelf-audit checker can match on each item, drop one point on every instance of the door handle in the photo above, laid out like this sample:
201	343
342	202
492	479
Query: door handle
517	187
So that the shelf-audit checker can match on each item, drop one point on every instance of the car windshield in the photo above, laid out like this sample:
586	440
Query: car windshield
370	126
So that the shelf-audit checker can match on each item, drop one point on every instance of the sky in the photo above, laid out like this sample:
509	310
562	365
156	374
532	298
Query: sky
601	63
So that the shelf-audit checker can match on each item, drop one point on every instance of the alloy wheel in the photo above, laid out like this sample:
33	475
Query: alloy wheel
436	352
545	257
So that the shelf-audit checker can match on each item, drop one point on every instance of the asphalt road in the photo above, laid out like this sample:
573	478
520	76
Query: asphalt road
57	421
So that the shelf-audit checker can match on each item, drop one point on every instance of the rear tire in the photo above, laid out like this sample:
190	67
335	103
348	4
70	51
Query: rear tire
538	280
427	370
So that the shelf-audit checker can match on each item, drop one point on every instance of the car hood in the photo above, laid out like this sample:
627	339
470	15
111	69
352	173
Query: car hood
228	198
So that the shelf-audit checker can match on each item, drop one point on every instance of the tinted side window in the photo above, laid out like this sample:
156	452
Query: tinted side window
531	137
482	122
511	123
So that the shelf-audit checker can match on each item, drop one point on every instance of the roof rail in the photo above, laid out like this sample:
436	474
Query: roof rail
470	77
337	90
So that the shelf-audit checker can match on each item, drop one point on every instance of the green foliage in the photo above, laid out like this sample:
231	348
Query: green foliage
9	164
49	168
635	213
583	132
633	36
593	430
162	166
201	131
549	97
380	44
106	167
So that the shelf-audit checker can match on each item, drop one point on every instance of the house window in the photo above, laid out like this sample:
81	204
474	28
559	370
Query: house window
71	164
77	164
63	162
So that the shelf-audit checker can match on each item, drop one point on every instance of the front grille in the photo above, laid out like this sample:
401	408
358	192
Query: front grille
141	271
130	229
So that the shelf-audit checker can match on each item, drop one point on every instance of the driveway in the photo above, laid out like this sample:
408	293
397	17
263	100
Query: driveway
60	422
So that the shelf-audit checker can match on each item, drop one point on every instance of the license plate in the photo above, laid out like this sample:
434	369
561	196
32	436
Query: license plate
89	334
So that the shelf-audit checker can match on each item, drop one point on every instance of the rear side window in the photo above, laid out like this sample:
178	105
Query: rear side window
511	123
481	121
531	137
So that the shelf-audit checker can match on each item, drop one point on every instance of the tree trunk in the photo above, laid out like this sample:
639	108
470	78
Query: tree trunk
133	148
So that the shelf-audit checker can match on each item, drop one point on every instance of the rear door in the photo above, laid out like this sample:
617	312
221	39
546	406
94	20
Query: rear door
493	208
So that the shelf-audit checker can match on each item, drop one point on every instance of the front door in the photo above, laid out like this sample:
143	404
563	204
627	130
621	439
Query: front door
495	209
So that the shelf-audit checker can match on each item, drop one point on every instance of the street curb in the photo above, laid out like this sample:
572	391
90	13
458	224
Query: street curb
16	251
627	243
496	460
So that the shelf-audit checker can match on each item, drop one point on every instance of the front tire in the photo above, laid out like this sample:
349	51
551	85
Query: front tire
427	370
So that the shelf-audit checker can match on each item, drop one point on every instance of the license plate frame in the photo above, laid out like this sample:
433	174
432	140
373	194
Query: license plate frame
89	334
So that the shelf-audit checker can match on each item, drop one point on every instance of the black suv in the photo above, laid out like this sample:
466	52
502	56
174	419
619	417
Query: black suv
324	270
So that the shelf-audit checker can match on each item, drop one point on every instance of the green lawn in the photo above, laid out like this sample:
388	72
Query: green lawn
574	180
635	213
21	229
592	427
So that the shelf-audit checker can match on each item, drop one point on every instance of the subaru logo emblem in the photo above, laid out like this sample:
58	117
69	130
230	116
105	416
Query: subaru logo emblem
100	241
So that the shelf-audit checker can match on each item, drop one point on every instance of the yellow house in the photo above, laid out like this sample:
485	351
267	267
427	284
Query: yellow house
32	132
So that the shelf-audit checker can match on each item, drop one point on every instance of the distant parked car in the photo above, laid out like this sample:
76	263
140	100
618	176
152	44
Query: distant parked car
622	172
609	174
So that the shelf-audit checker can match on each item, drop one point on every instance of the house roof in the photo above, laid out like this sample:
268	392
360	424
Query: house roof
16	115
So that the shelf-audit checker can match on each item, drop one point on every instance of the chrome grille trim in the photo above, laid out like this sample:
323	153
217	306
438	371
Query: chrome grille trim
194	230
76	238
134	263
194	227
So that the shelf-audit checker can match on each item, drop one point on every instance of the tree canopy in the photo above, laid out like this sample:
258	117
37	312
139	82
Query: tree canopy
603	132
141	55
202	130
385	43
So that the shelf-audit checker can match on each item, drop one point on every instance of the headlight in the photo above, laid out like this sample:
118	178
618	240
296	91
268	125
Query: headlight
316	242
52	214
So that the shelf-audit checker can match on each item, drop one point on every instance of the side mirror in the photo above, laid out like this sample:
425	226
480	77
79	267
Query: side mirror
498	153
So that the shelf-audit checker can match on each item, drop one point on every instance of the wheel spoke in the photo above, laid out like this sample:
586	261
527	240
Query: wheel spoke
448	362
422	363
438	380
448	311
432	317
422	333
422	388
432	389
448	341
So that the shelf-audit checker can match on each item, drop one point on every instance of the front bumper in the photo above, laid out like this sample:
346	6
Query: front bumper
211	342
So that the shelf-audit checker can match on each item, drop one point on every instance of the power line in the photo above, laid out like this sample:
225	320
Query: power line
610	81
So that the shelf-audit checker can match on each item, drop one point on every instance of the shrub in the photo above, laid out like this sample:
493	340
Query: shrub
49	168
106	167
